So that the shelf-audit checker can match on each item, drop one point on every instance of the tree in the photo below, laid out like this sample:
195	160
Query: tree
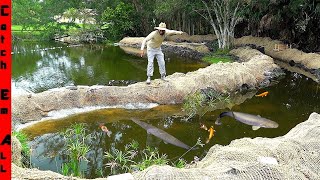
223	16
25	13
119	21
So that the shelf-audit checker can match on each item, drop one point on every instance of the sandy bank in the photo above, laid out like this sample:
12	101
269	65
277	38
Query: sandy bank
307	61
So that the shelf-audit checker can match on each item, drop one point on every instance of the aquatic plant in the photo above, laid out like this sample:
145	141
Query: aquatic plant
76	149
133	159
150	156
181	163
198	143
23	138
203	101
25	148
119	161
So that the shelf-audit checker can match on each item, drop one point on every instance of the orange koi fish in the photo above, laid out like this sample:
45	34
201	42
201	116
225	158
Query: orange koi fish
263	94
211	134
105	129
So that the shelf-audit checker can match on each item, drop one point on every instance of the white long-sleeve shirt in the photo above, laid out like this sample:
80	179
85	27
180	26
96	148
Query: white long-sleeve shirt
155	40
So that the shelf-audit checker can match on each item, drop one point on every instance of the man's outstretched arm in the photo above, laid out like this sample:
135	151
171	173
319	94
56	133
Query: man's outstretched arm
149	37
173	32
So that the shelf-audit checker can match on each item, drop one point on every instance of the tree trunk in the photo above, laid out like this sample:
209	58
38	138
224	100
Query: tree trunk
224	22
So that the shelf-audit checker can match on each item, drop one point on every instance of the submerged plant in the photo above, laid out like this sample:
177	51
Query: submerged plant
122	161
150	156
202	101
76	149
131	159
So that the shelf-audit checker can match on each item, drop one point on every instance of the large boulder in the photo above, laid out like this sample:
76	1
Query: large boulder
183	49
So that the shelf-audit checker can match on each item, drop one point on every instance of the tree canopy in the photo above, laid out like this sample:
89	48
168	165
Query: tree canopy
288	20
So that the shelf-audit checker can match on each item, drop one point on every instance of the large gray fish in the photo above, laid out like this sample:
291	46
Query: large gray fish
255	121
161	134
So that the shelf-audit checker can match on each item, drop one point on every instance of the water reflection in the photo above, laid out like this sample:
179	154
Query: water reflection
41	66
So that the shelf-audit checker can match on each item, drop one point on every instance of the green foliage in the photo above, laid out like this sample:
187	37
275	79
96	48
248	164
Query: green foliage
212	59
193	103
76	149
25	148
202	101
133	159
181	163
119	161
167	8
221	55
26	13
150	156
119	20
23	138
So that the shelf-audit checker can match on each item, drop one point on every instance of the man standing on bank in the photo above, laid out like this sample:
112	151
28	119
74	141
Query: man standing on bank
154	41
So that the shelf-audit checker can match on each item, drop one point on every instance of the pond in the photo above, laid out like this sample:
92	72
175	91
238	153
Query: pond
39	66
289	102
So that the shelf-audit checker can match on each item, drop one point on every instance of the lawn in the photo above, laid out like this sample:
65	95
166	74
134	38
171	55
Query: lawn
218	56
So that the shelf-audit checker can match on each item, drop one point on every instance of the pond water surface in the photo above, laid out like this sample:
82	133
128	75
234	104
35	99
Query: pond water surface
289	102
39	66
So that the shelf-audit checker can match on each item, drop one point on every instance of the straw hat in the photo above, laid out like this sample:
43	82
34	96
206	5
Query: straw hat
162	26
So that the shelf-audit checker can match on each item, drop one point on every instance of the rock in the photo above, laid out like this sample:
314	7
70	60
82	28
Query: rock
188	50
15	151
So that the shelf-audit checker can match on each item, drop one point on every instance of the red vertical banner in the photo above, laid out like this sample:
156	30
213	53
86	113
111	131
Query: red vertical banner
5	89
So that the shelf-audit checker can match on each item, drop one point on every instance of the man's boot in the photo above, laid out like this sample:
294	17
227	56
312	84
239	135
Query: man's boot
148	80
163	77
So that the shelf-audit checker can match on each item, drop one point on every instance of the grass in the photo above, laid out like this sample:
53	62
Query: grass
62	26
221	55
16	27
20	28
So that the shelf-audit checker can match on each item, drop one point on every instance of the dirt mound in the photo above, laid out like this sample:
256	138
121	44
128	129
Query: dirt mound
308	61
188	50
192	39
